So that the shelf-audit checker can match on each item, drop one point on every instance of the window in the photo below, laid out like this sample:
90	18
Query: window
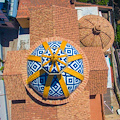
18	101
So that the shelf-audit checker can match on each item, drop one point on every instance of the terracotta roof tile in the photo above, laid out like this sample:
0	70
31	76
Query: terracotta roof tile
23	14
41	24
65	23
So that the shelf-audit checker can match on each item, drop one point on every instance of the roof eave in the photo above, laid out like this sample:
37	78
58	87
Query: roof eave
101	7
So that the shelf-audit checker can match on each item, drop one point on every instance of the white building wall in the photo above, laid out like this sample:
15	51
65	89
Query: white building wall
82	11
23	42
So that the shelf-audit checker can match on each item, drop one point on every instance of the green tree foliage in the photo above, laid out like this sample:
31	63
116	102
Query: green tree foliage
118	34
1	69
83	1
103	2
99	2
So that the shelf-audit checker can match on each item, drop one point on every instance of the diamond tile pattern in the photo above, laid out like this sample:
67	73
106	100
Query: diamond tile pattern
55	91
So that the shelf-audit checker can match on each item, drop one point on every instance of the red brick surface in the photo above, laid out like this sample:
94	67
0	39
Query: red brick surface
25	5
77	109
97	83
96	58
23	11
54	21
18	111
14	86
15	89
13	62
39	111
65	23
41	24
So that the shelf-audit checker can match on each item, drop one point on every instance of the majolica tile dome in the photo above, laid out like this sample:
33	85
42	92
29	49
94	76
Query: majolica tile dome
55	69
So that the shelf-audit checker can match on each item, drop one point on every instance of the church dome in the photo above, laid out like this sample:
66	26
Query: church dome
55	69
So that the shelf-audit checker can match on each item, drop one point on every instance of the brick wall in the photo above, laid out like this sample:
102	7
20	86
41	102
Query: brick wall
62	3
24	5
65	23
13	62
54	21
97	83
17	111
14	86
41	24
23	8
77	109
39	111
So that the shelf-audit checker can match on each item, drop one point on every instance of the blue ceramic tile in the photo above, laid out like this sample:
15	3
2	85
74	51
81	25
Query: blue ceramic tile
72	82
